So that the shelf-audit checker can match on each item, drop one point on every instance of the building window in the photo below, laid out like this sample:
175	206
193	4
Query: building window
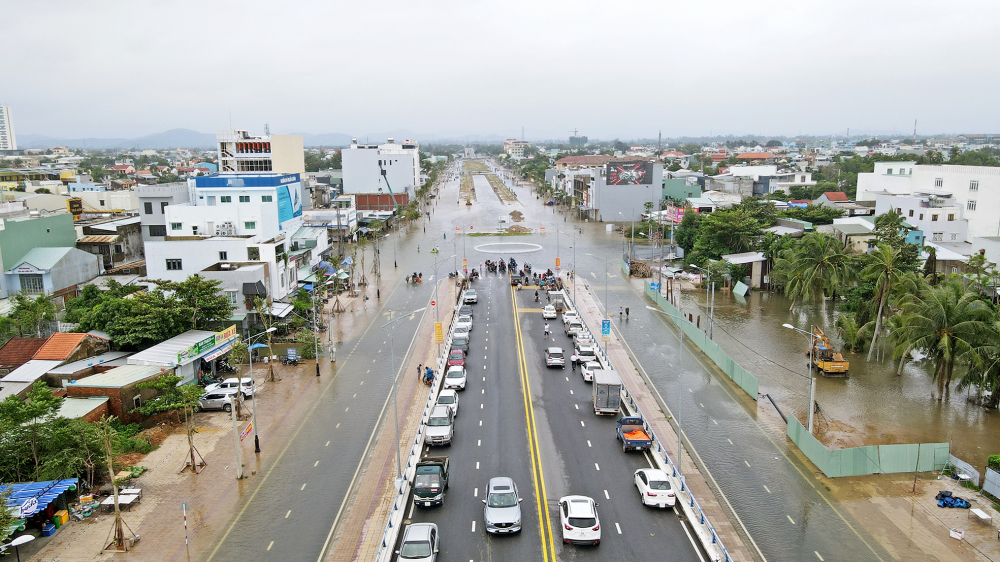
921	216
100	203
265	198
253	254
250	225
934	218
163	206
223	256
226	198
147	207
899	211
32	284
951	216
176	226
911	213
970	205
888	171
244	198
974	185
174	265
232	296
157	230
136	402
118	248
936	237
938	182
954	236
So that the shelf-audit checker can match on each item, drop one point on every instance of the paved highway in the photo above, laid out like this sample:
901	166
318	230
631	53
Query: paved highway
551	445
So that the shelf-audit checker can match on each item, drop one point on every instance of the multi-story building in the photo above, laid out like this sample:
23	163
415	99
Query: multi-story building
153	203
974	188
370	168
8	141
608	189
240	153
515	148
937	215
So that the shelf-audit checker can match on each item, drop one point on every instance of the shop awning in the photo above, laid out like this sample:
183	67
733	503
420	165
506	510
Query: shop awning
219	351
44	492
280	309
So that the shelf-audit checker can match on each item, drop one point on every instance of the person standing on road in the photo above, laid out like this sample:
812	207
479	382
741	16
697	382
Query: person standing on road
420	370
626	314
619	314
546	330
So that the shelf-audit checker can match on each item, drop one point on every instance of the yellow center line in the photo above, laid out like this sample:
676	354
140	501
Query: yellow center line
537	476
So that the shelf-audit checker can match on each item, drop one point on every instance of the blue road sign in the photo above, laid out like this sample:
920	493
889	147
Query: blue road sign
605	327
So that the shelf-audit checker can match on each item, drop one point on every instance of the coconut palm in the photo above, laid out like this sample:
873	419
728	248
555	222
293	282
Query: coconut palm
815	268
883	268
852	334
949	325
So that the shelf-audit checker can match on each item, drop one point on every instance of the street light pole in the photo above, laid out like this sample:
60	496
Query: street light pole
680	363
437	305
256	438
809	373
395	375
711	301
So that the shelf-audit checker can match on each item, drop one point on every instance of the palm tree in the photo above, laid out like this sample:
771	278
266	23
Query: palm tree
949	325
815	268
852	334
883	268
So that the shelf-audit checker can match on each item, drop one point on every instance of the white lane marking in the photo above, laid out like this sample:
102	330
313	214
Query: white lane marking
486	347
270	545
479	442
327	444
363	382
316	463
355	395
485	357
484	391
410	516
302	488
477	465
484	379
567	379
700	404
790	519
577	406
730	441
715	422
618	527
475	492
484	367
473	526
287	514
337	426
347	408
480	423
768	489
818	556
746	463
571	391
597	466
581	424
480	406
606	496
588	443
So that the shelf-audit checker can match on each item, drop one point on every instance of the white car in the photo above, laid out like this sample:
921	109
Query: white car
654	487
549	312
464	321
470	297
455	377
569	315
580	524
249	388
448	397
588	370
461	332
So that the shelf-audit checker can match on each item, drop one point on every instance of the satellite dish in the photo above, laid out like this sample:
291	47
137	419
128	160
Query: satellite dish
22	540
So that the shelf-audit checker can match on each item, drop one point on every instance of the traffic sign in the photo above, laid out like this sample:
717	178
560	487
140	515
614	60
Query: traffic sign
605	329
654	286
433	303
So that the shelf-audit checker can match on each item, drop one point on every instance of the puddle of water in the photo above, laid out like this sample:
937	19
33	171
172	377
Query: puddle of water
873	406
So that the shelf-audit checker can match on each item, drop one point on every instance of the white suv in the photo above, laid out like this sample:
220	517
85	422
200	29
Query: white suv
440	426
580	524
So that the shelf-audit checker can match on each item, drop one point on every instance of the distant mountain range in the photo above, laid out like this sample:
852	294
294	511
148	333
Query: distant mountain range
187	138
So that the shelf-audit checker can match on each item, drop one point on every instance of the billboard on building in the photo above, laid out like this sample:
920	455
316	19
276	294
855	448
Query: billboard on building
629	173
289	202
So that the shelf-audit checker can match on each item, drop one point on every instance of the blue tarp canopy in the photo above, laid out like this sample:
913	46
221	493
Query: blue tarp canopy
44	492
308	287
326	267
258	345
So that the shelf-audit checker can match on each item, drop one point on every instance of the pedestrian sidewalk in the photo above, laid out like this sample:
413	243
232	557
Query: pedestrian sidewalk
212	496
711	504
359	533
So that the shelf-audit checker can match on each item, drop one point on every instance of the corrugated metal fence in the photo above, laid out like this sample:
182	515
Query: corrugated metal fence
733	370
991	483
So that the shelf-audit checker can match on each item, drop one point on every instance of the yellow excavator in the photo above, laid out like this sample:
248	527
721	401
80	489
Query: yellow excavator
828	360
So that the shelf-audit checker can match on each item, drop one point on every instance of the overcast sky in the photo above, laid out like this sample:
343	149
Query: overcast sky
610	69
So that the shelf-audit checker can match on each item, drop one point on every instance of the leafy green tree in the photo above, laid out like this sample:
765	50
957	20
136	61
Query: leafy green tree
814	269
816	214
687	232
30	314
949	325
773	143
27	421
7	517
139	322
727	232
173	397
202	298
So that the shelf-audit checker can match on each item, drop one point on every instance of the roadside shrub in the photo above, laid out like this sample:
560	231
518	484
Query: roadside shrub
993	461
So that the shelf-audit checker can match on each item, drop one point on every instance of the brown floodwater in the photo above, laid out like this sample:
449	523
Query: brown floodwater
873	406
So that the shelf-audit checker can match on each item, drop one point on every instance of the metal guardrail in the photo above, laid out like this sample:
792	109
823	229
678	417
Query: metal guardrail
703	528
391	531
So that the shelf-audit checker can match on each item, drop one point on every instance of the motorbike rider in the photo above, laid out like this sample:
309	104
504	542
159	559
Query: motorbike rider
536	296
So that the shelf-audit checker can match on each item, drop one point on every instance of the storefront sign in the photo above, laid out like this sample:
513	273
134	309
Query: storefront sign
207	344
246	431
27	508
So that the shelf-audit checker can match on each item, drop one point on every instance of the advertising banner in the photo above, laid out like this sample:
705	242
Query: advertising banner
207	344
438	333
629	173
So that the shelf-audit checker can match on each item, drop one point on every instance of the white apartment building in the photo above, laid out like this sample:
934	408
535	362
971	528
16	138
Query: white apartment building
241	152
364	164
976	189
8	141
233	218
937	215
515	148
